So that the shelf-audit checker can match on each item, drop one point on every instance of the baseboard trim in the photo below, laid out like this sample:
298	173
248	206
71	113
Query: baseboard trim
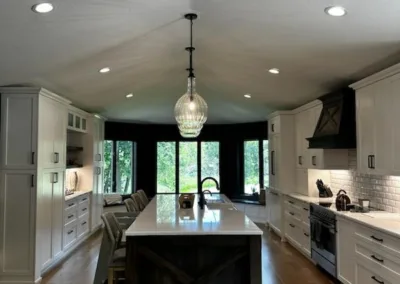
68	252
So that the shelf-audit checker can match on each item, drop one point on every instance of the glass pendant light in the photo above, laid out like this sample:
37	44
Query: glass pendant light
191	109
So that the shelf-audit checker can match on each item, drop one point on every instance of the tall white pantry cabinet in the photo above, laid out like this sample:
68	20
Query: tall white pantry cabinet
33	138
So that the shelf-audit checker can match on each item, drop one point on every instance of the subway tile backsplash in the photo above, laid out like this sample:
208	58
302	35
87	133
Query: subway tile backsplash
383	191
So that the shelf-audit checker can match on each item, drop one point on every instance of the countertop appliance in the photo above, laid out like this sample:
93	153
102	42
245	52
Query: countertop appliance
342	201
323	237
324	190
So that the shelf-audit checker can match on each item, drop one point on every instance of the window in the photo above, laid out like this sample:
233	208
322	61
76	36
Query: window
118	167
210	164
108	166
188	167
251	167
166	163
124	167
266	162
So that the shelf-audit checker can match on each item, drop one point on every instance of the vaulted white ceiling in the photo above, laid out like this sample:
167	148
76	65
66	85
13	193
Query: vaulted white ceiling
236	42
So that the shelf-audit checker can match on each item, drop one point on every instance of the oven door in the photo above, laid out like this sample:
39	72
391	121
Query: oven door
323	239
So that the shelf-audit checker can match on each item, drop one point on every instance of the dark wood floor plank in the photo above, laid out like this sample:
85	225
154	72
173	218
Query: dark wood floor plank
281	264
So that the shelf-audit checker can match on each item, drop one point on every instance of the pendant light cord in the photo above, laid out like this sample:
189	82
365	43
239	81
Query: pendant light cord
191	73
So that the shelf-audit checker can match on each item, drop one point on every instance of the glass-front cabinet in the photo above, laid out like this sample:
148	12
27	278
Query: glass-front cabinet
77	122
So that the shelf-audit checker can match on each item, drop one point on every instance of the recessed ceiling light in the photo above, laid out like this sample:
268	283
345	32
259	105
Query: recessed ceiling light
335	11
43	8
129	96
248	96
97	116
274	71
105	70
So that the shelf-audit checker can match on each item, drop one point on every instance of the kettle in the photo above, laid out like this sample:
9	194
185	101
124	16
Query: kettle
342	200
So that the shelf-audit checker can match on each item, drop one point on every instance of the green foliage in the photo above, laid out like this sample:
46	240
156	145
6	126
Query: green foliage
166	167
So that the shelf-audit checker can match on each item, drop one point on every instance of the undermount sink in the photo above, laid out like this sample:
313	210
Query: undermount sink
219	206
215	200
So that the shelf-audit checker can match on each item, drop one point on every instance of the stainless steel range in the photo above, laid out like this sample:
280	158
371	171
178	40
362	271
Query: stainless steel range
323	237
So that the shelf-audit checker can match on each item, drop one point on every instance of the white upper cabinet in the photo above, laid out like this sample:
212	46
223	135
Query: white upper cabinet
52	133
19	130
77	120
282	151
306	121
378	133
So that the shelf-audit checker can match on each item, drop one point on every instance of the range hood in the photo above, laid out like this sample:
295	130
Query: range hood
336	127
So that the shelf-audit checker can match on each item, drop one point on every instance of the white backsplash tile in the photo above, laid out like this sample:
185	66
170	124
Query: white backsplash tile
383	191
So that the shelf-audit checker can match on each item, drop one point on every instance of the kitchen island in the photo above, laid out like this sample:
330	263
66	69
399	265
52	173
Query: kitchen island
170	245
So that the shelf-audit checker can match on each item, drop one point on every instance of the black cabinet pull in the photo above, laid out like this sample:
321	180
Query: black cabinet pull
291	202
273	127
33	181
55	177
70	232
291	213
84	223
307	235
56	157
84	209
291	225
84	199
314	160
377	239
377	259
372	161
33	158
300	160
274	193
70	216
376	280
306	209
369	161
72	204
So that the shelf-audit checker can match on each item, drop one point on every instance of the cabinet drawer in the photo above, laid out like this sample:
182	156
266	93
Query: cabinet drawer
379	240
381	262
291	212
83	198
367	276
70	216
305	213
70	235
71	205
83	226
83	208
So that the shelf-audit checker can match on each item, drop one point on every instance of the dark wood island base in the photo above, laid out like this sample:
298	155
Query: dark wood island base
194	259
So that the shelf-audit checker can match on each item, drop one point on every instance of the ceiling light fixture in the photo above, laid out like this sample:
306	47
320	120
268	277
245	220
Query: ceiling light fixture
274	71
191	109
105	70
129	96
335	11
248	96
43	8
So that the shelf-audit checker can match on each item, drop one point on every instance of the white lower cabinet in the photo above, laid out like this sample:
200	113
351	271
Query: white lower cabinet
274	208
366	255
345	251
297	224
77	221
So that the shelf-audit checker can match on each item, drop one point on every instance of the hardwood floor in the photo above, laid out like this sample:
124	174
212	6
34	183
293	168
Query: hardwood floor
282	264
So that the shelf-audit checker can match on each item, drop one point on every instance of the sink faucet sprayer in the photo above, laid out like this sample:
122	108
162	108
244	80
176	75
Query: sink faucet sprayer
202	199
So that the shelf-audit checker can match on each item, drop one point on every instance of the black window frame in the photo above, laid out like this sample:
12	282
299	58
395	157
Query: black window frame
177	164
260	162
114	167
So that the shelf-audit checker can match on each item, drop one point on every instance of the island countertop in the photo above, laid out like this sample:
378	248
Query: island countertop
163	217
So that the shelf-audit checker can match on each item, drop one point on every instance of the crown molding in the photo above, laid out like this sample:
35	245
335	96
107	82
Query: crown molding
388	72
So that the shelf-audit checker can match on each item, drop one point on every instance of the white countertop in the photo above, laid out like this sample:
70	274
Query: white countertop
76	194
162	216
310	199
386	222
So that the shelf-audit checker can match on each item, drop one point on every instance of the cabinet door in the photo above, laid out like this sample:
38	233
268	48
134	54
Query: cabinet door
45	212
17	222
57	213
300	139
346	251
47	119
97	197
60	135
19	131
316	156
393	150
274	146
70	120
365	104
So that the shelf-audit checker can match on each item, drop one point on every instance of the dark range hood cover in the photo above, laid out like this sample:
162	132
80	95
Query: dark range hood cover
336	127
